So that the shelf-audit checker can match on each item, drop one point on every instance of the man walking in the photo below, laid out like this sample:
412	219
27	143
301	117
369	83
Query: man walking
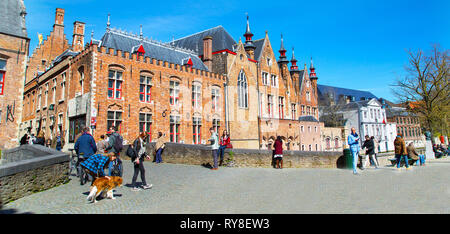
353	142
85	145
214	146
400	151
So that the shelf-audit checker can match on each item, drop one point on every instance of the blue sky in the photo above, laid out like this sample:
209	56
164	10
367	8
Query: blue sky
355	44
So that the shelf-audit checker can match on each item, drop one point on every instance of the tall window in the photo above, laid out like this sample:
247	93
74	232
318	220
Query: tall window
145	87
115	84
270	105
196	130
216	125
294	111
308	96
174	92
196	95
2	75
328	143
174	128
54	91
145	124
63	86
281	107
303	110
336	143
46	95
265	79
81	73
215	99
39	99
242	90
273	80
308	110
60	123
114	118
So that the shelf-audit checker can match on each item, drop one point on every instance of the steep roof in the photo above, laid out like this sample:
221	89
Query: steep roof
308	118
221	40
259	48
119	40
337	92
11	20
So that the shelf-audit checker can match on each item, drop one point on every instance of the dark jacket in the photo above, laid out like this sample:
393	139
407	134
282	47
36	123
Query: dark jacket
85	144
111	141
39	141
412	154
137	148
370	147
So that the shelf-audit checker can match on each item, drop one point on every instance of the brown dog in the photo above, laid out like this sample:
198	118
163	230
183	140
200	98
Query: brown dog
104	184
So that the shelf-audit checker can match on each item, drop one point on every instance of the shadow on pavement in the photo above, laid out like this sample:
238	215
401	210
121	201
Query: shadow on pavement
12	211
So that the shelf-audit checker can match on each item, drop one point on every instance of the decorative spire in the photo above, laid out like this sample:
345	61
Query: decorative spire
282	51
108	24
312	74
248	37
141	35
293	61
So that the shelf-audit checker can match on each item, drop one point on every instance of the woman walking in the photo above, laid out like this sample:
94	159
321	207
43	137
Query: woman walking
278	154
58	142
138	161
224	143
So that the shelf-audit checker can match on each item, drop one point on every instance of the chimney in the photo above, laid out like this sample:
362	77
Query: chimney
58	27
207	52
78	36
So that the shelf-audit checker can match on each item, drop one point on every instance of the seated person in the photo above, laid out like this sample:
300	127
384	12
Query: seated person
414	156
436	151
443	149
95	165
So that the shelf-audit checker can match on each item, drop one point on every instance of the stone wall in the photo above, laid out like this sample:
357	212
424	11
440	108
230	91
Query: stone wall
31	168
201	155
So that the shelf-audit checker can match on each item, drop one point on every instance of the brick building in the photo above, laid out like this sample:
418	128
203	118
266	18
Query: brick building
14	45
181	88
407	123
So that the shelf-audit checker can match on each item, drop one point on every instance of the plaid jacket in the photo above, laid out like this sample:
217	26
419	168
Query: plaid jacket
96	164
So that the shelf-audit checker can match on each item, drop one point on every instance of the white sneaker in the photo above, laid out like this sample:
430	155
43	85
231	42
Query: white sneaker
135	189
147	186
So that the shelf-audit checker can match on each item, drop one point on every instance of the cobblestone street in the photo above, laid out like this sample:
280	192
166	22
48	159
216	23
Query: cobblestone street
195	189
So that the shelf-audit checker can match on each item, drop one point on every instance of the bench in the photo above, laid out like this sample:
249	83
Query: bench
402	163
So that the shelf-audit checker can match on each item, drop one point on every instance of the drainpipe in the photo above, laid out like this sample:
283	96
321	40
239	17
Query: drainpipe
259	104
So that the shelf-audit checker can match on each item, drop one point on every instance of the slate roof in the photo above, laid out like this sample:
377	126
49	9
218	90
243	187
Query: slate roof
221	40
398	111
259	48
325	90
123	41
11	21
308	118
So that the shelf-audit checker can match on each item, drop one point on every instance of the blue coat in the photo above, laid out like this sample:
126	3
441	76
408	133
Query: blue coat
85	144
354	145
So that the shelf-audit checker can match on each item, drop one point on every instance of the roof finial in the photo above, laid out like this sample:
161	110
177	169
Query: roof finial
141	35
108	24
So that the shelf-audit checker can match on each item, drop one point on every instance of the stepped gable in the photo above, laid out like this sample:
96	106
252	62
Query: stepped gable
222	40
123	41
12	13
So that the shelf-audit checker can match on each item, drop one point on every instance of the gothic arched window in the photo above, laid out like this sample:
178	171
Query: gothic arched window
242	90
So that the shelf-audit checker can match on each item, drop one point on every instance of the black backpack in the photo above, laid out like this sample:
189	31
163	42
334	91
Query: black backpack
131	153
118	143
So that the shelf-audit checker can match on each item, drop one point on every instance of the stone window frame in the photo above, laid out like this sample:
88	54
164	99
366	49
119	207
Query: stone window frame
216	124
215	98
54	91
116	69
328	143
270	105
293	110
81	78
174	128
281	107
196	94
265	78
196	130
242	88
145	95
146	122
174	92
46	95
115	120
63	86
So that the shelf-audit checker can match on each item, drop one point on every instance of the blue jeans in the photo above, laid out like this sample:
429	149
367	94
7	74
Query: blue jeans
399	160
355	159
222	151
421	160
158	158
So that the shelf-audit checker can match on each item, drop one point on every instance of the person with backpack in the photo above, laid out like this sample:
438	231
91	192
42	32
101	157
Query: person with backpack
115	145
137	158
